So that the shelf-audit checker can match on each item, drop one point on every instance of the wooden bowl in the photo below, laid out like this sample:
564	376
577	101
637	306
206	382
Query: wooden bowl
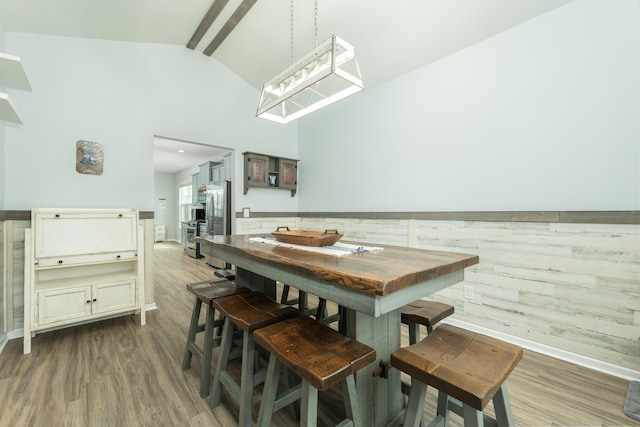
307	237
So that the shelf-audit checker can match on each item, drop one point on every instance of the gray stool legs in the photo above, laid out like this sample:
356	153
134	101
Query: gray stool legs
308	396
248	378
203	354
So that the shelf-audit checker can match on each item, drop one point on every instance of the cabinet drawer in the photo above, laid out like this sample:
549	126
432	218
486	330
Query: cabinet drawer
85	259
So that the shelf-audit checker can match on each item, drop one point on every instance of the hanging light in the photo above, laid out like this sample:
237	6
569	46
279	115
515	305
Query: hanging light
323	76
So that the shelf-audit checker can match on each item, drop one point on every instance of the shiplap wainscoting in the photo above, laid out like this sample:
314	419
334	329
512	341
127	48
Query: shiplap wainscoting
569	286
3	328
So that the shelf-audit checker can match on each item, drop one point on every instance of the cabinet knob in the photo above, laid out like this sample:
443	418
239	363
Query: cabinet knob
120	215
59	261
57	215
118	257
88	301
94	300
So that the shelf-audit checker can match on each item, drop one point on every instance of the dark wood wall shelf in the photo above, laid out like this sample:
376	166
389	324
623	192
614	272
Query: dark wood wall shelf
265	171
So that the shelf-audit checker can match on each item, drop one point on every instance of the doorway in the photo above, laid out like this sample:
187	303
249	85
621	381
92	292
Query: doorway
175	162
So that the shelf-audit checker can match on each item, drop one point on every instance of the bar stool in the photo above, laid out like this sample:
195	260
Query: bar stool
302	301
467	368
321	356
247	312
205	292
426	313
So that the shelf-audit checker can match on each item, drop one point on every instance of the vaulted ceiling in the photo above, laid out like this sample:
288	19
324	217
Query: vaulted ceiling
391	37
253	39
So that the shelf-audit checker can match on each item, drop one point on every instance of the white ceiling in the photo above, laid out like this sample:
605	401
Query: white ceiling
391	37
172	155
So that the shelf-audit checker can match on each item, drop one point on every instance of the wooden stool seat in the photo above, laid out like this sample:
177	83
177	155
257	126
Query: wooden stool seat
218	287
314	351
253	310
205	292
467	366
321	356
248	312
426	313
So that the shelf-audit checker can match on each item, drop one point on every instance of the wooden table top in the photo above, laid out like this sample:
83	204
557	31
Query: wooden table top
375	272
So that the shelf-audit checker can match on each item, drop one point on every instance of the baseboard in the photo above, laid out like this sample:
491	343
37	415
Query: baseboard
150	306
556	353
15	333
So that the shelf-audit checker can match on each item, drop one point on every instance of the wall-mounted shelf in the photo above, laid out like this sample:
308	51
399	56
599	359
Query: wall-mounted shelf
264	171
12	75
11	72
7	112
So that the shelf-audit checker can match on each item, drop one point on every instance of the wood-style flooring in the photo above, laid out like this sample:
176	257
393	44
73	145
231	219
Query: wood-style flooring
118	373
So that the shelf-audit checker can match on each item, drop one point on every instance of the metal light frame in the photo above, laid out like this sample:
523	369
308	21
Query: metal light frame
325	75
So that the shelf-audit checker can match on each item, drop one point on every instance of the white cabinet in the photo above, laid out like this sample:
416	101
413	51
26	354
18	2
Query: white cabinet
195	184
227	162
217	173
205	172
159	233
81	265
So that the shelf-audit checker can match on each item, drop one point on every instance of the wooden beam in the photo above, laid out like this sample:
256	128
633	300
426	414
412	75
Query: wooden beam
229	26
206	22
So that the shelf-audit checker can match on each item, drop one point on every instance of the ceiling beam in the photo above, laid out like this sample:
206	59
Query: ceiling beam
206	22
229	26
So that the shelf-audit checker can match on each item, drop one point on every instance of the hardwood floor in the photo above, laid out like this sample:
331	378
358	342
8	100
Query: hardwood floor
117	373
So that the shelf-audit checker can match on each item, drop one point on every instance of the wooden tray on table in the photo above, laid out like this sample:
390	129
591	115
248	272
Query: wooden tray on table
307	237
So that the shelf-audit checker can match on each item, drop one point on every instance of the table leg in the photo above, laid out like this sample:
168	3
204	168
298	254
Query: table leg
256	282
380	399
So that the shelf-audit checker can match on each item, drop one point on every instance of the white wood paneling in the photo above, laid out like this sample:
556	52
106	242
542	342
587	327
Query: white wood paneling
575	287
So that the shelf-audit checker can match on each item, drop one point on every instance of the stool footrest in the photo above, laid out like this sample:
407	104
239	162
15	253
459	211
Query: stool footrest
455	406
287	397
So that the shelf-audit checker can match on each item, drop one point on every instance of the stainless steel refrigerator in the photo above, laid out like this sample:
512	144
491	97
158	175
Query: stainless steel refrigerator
218	215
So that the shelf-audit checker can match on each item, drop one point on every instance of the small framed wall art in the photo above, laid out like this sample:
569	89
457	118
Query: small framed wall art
89	157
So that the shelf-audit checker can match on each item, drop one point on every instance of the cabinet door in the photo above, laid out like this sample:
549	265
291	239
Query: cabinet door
195	184
60	233
228	167
63	305
114	296
257	170
205	173
288	174
215	175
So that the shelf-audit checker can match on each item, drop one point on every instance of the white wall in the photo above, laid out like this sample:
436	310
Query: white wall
121	94
541	117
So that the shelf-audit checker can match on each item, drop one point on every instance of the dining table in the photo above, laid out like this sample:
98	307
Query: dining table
371	282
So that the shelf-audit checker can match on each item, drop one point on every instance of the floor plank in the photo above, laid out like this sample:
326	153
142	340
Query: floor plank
117	373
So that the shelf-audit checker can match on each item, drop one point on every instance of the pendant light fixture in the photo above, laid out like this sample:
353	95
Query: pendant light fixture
325	75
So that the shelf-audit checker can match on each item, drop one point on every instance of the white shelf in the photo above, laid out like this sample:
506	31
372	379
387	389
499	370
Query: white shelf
11	73
71	282
7	112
